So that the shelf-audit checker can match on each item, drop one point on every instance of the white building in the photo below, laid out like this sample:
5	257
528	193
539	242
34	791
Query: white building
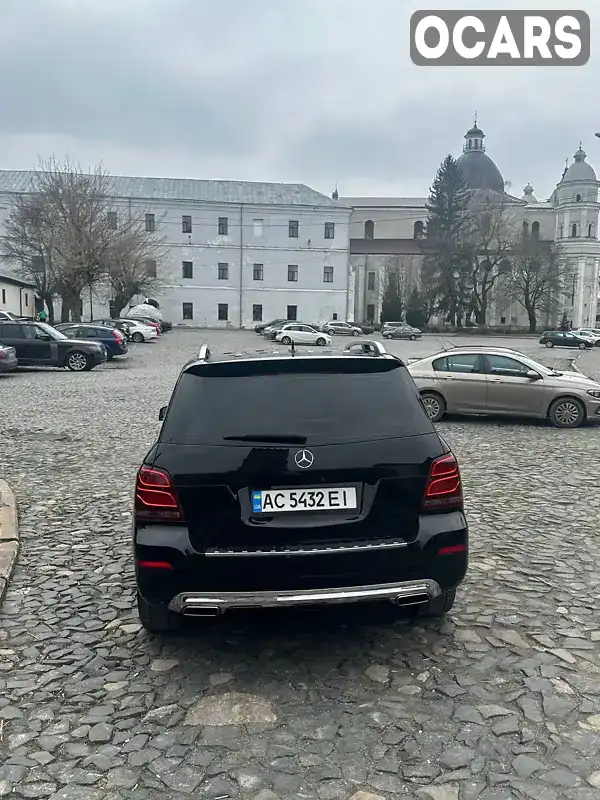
17	297
235	252
389	231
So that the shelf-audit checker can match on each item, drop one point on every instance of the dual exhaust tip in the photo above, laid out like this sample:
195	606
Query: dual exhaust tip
403	601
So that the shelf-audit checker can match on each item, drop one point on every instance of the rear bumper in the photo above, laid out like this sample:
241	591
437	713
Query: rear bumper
8	364
404	593
171	571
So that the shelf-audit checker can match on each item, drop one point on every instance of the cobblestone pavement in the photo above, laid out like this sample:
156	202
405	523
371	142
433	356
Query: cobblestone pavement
499	701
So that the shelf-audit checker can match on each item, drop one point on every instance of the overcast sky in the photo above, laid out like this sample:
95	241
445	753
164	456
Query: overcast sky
312	91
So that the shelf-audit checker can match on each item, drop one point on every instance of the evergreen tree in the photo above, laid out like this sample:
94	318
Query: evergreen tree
392	305
416	309
448	257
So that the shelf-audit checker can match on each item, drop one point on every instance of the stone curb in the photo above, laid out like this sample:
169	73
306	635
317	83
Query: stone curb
9	535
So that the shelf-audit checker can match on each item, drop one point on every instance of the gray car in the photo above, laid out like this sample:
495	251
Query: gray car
500	381
403	331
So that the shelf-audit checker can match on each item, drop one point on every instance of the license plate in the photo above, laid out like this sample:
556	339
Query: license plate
330	499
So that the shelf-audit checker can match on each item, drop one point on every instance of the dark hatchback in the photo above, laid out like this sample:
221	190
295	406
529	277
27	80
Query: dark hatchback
328	484
40	345
565	339
113	339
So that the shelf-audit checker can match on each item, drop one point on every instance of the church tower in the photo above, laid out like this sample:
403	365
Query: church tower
577	208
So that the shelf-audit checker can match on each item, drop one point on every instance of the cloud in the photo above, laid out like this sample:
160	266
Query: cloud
318	91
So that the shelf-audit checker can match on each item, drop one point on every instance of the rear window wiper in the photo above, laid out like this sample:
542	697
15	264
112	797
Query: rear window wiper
261	437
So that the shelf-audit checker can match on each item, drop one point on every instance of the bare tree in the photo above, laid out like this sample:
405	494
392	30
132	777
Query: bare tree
131	265
539	279
493	237
75	235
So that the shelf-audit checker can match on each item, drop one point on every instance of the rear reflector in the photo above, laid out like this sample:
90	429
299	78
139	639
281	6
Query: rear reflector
155	565
155	496
444	485
452	550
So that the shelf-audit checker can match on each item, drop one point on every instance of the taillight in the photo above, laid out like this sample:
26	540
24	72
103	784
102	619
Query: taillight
155	495
444	486
3	354
118	335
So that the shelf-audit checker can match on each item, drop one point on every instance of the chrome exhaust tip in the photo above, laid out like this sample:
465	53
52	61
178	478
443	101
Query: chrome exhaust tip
201	611
404	600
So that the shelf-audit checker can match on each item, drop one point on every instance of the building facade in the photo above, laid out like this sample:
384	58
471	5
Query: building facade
389	232
17	297
233	253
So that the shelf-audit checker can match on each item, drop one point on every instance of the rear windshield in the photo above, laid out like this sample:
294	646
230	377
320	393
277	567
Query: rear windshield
311	402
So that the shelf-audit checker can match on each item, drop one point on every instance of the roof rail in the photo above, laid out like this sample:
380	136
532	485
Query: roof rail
370	347
204	354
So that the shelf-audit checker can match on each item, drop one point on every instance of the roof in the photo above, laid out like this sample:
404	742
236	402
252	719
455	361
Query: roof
579	170
16	281
384	202
204	191
480	172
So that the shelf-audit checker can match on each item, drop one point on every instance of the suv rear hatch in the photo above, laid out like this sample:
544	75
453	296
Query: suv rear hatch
297	452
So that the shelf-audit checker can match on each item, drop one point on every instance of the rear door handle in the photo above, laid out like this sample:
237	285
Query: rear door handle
494	380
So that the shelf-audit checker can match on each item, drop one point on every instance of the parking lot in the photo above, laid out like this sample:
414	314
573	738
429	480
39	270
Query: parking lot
499	701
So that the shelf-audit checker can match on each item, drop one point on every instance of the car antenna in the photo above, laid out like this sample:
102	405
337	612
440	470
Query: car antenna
445	349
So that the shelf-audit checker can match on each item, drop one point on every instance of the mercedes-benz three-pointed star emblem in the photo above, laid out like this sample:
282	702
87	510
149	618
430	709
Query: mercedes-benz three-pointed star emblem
304	459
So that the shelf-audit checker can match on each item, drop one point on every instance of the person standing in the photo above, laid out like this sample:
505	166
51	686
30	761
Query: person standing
42	316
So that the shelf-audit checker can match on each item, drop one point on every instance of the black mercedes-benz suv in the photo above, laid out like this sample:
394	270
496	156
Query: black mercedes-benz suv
296	478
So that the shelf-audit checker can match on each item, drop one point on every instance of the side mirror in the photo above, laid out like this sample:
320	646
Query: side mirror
162	413
533	375
43	337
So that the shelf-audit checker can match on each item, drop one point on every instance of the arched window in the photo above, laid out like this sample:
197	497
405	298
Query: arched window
535	231
574	230
590	231
525	228
369	229
418	230
578	198
561	230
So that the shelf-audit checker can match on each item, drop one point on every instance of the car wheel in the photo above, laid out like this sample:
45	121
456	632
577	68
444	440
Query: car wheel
79	362
412	337
286	340
355	333
388	336
566	412
439	605
156	617
321	342
138	337
434	405
549	344
582	346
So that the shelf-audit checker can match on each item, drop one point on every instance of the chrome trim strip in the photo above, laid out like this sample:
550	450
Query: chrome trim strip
215	552
270	599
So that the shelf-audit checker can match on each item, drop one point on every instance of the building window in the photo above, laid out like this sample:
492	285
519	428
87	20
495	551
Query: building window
369	229
186	223
327	274
370	313
26	299
561	229
502	320
223	272
292	313
257	272
293	273
151	267
525	229
188	311
334	316
293	229
111	219
371	281
4	296
150	223
257	313
590	231
258	228
574	230
330	230
578	198
37	263
187	270
535	231
223	312
418	229
223	226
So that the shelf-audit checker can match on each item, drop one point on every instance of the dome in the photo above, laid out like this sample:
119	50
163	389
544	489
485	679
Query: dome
528	196
478	169
579	170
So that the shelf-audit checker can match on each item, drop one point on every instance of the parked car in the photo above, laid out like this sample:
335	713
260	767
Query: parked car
584	333
260	328
113	323
343	498
8	359
112	338
500	381
272	331
298	333
39	344
139	331
403	331
341	328
390	326
365	328
148	321
564	339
